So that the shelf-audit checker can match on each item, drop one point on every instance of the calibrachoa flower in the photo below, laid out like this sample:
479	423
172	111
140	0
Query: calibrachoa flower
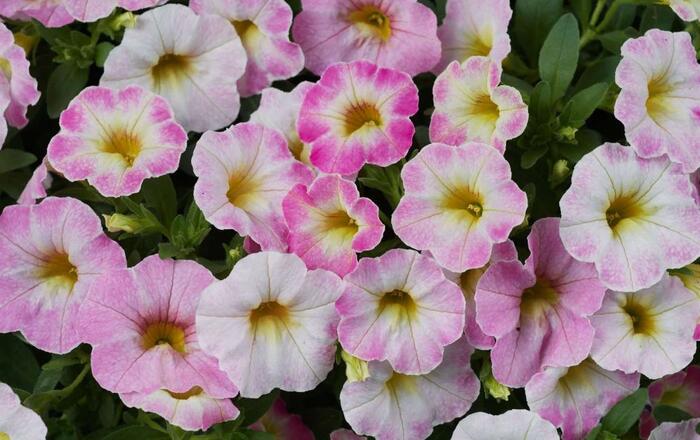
271	323
37	185
659	101
459	202
91	10
345	434
389	405
516	424
244	173
282	424
50	254
14	67
16	421
329	223
400	307
358	113
192	61
471	106
400	34
686	430
575	398
687	10
141	324
634	218
680	390
263	26
474	28
649	331
538	312
50	13
116	139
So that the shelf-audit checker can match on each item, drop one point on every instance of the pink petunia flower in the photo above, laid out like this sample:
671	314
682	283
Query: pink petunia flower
399	34
686	430
37	185
659	101
459	202
14	67
687	10
16	421
91	10
358	113
50	13
141	324
516	424
282	424
393	406
263	27
277	329
243	175
50	254
538	312
680	390
329	223
634	218
192	61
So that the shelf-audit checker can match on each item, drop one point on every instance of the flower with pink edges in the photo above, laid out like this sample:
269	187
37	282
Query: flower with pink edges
470	106
244	173
282	424
538	312
393	406
14	67
400	307
4	103
141	325
358	113
192	61
633	217
37	185
329	223
686	430
687	10
575	398
680	390
16	421
50	255
399	34
649	331
690	275
50	13
459	202
516	424
659	101
474	28
271	323
263	27
92	10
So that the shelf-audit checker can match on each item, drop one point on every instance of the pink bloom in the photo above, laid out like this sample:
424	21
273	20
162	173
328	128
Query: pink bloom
687	10
358	113
346	434
22	87
50	254
659	101
38	184
244	173
16	421
516	424
538	312
686	430
459	202
141	324
282	424
116	139
690	275
393	406
50	13
680	390
399	34
92	10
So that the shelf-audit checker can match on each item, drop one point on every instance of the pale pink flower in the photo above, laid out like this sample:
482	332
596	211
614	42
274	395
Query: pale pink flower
687	10
16	421
680	390
516	424
92	10
37	185
14	68
686	430
50	13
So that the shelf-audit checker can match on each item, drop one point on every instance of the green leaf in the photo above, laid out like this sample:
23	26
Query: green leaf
11	160
522	86
582	9
532	155
66	81
657	17
136	432
532	21
253	409
102	52
582	105
613	41
541	102
601	72
18	366
159	194
586	141
667	413
626	413
559	55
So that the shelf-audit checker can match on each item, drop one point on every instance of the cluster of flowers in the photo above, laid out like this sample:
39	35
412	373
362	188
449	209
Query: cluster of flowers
590	310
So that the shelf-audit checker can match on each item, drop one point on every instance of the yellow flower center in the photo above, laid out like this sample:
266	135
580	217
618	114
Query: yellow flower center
372	22
247	31
5	69
482	110
398	304
340	225
658	103
477	44
124	143
538	298
164	333
405	383
58	269
270	317
4	436
642	321
468	281
361	116
466	203
242	190
622	210
170	70
194	391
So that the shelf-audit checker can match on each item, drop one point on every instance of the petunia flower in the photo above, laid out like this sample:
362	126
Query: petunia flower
459	202
659	101
474	28
346	434
243	175
192	61
649	331
680	390
471	106
282	424
687	10
329	223
271	323
400	307
16	421
393	406
14	68
263	27
91	10
686	430
538	312
516	424
399	34
634	218
50	13
50	254
575	398
37	185
358	113
141	325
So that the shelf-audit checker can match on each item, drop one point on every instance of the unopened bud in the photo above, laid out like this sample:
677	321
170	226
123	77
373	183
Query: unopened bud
356	369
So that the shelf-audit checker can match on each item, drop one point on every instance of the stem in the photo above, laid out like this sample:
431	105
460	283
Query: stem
591	33
77	381
596	13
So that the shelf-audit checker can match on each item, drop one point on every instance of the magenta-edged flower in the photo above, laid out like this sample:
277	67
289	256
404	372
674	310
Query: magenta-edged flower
37	185
516	424
329	223
115	139
399	34
393	406
358	113
141	325
14	68
680	390
659	101
50	13
686	430
192	61
50	255
92	10
459	202
282	424
687	10
277	329
16	421
538	312
244	173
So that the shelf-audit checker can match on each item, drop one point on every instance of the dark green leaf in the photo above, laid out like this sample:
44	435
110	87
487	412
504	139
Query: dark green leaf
601	72
253	409
18	367
66	81
586	141
657	17
532	21
47	380
625	414
136	432
667	413
102	52
532	155
625	16
559	55
541	102
612	41
11	160
582	105
582	9
159	194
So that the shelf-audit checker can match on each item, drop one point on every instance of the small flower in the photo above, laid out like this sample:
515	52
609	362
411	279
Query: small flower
687	10
37	185
680	390
16	421
686	430
14	72
355	368
91	10
50	13
282	424
514	424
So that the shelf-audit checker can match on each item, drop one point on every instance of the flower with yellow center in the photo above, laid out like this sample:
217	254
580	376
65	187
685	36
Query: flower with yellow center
16	421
